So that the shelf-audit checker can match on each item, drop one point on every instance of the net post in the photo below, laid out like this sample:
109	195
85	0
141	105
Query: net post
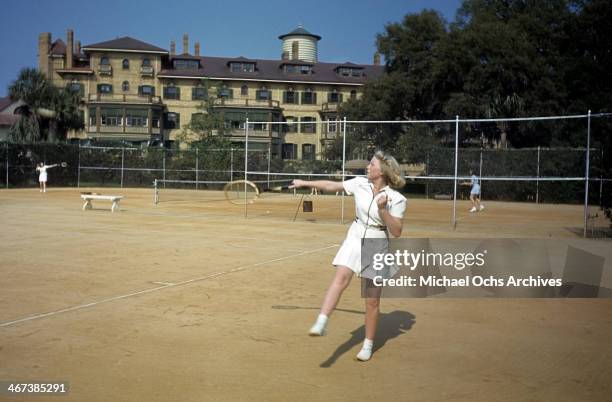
155	193
231	164
586	175
343	166
456	163
480	174
601	170
122	163
246	161
196	166
269	157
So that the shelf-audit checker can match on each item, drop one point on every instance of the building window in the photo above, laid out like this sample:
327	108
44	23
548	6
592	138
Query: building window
225	92
308	125
244	90
309	97
125	86
181	64
92	116
104	61
242	67
146	90
308	152
172	92
289	151
297	69
172	121
332	125
105	89
305	69
334	97
77	88
353	94
111	117
199	93
125	64
290	96
263	94
155	115
291	127
146	63
137	117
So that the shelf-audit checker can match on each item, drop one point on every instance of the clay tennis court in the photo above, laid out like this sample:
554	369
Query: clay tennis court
188	300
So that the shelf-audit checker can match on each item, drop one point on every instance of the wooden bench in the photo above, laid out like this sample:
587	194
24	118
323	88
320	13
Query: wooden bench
90	197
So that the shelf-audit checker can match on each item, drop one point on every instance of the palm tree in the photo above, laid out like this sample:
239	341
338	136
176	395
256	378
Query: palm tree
510	106
43	106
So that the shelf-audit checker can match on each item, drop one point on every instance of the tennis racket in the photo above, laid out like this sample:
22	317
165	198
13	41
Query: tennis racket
241	192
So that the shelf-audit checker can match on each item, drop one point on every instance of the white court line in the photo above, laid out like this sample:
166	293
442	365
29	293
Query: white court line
125	296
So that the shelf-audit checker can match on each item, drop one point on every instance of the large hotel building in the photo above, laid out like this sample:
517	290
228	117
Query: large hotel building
136	92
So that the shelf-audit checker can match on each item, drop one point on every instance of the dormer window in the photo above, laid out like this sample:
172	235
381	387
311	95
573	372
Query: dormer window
350	71
298	69
242	67
184	64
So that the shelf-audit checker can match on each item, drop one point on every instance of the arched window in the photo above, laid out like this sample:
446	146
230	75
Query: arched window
125	86
126	64
146	63
244	90
104	61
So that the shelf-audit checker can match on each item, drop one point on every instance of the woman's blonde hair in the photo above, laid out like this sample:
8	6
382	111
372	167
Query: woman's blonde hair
390	169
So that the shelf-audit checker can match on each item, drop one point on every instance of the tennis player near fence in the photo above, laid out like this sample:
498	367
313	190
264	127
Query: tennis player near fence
379	211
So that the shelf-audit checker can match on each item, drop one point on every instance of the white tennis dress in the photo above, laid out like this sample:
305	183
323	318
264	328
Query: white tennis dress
368	222
42	176
475	185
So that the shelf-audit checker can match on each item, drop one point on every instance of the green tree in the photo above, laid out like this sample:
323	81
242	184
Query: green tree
208	121
47	113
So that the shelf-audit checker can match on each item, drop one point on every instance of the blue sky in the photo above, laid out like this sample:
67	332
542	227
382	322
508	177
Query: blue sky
224	28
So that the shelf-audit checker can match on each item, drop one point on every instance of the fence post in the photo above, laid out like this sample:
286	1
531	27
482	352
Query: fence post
456	163
7	164
601	170
269	157
586	175
79	166
538	179
231	164
197	163
164	166
480	174
246	164
122	164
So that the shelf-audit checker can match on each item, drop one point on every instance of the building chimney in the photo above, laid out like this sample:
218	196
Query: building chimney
77	49
285	55
69	48
172	48
185	44
44	46
377	59
196	49
295	50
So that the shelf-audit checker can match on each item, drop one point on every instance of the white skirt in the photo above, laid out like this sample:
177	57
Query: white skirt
349	254
42	177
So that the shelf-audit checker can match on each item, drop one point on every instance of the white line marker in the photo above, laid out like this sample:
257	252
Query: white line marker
165	286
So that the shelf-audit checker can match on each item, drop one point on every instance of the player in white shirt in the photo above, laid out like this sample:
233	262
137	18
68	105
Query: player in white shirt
42	176
379	211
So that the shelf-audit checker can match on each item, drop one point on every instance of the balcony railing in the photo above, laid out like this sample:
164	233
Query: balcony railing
105	69
329	107
120	129
146	70
247	103
111	98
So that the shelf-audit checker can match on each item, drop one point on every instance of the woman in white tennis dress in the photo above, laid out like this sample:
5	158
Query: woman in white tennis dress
379	211
42	175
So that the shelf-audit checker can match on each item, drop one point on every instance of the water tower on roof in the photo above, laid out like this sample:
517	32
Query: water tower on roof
300	44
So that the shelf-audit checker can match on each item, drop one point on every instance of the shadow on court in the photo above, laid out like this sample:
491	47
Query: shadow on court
390	325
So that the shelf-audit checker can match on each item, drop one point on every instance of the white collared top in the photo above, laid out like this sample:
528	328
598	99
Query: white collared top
366	208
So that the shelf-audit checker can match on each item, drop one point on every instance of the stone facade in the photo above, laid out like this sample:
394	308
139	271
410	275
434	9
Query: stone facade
134	91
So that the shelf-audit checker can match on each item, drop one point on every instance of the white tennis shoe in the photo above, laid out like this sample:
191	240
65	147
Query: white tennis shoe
320	327
481	207
473	209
